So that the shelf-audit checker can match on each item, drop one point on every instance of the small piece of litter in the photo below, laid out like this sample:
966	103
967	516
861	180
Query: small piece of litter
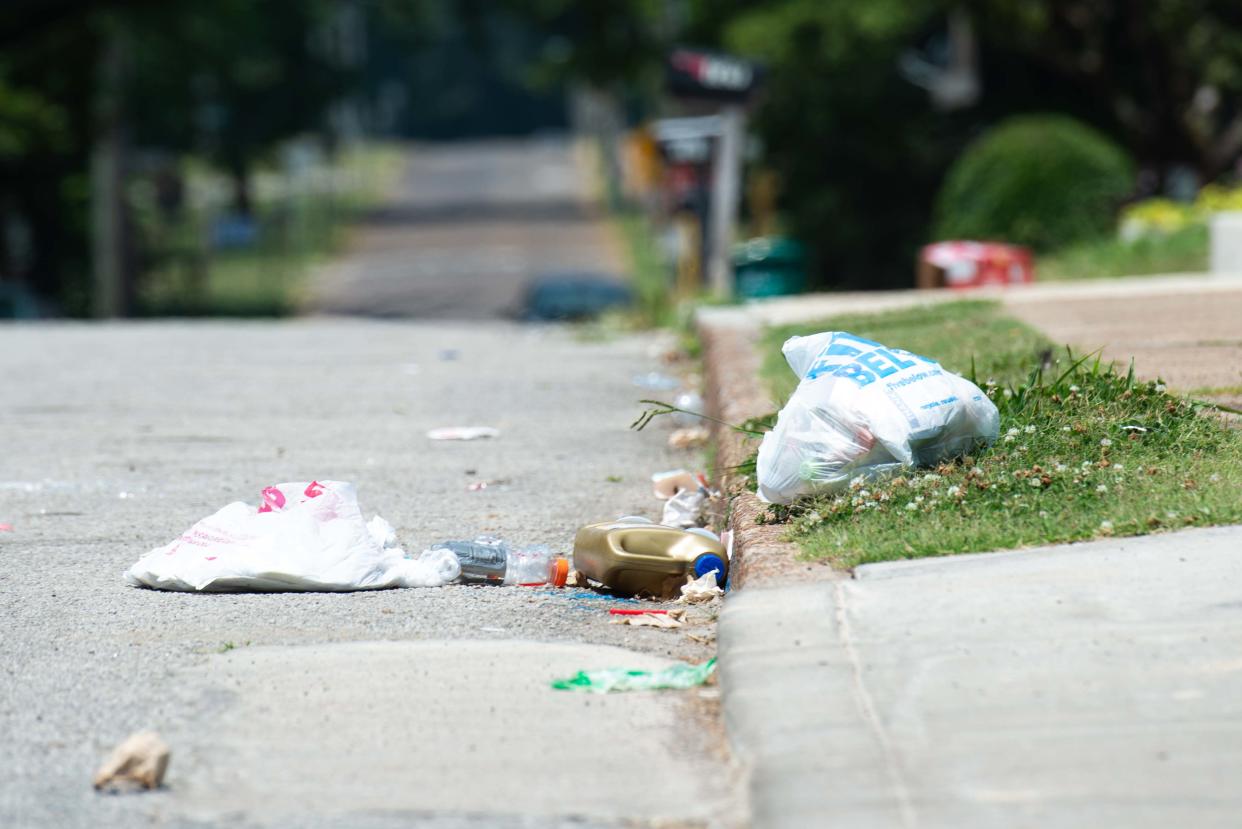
691	437
665	485
463	433
655	381
492	630
449	354
650	620
477	486
681	675
137	763
626	611
6	528
703	589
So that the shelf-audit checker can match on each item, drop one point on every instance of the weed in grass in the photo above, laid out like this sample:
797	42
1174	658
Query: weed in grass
1085	450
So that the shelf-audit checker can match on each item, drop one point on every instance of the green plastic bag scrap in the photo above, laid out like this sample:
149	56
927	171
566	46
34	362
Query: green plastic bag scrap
680	675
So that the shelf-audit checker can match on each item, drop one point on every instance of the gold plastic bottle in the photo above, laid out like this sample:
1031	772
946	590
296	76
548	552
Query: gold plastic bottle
634	556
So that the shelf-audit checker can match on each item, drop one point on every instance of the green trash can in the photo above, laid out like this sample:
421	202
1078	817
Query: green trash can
768	266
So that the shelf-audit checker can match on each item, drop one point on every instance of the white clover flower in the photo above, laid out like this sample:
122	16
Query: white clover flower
918	499
1061	467
1022	448
864	493
856	482
954	491
1030	430
1073	388
814	518
1087	464
1106	526
1008	439
1008	393
1035	482
1160	387
1118	467
1043	513
931	476
883	496
1170	513
1012	432
1101	489
1105	442
1215	478
912	505
975	470
1066	429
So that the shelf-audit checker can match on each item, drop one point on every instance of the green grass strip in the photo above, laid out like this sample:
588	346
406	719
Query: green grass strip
1086	450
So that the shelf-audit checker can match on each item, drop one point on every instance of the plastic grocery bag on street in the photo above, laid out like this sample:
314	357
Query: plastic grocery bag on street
303	536
862	408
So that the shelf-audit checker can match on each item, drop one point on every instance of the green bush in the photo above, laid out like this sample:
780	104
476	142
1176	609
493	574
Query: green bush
1039	180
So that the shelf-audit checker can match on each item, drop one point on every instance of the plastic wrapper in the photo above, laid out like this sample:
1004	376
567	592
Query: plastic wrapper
863	409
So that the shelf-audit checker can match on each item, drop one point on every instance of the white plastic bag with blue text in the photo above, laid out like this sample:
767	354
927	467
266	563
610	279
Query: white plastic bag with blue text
863	409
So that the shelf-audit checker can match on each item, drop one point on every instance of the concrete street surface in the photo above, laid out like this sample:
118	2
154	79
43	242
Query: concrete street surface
377	709
1083	685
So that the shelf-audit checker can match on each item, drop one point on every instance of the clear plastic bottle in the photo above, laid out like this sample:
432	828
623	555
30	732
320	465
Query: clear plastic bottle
488	560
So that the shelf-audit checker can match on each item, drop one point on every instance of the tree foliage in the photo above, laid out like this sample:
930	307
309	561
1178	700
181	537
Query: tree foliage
1041	180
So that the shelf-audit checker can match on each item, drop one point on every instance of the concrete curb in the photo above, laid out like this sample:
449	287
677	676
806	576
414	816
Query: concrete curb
773	614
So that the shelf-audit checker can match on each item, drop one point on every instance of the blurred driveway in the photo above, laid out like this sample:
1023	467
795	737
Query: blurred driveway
470	223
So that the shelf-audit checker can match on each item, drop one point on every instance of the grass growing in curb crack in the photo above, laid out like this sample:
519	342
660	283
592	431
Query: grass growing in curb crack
1085	450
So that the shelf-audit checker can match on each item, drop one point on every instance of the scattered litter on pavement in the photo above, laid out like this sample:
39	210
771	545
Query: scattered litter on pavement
667	484
862	409
479	486
690	437
667	620
463	433
489	560
302	536
685	509
690	408
137	763
679	676
702	589
636	557
6	528
655	381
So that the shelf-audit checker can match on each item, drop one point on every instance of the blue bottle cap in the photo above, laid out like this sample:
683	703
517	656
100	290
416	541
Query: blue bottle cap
708	562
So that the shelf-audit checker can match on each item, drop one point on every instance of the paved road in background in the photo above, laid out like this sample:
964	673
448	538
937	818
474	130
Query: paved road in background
469	225
278	710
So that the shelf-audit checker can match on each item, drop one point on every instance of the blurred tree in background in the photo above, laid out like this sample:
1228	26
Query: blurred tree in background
864	109
1046	181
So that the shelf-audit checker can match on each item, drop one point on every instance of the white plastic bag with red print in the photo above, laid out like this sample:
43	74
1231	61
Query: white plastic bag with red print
863	409
303	536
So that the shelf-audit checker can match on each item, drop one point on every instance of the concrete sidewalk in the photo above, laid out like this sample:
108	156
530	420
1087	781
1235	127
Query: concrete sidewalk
1085	685
1184	328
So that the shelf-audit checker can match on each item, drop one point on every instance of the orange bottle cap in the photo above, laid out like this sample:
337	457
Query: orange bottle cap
560	573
